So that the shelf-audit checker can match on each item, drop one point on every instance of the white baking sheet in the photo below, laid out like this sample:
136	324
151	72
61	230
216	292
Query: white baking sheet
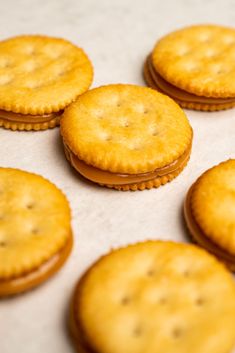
117	36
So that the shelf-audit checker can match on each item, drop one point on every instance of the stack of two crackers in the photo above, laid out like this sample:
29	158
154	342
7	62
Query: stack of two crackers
39	77
154	296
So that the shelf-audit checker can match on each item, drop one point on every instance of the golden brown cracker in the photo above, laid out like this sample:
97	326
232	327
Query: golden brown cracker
155	297
198	59
194	105
41	75
212	205
119	124
201	239
34	224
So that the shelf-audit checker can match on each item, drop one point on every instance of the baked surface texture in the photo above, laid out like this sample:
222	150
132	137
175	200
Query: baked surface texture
41	75
213	204
35	225
126	129
198	59
155	296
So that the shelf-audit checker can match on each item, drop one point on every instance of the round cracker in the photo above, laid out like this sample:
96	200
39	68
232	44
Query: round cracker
40	75
149	79
212	204
156	297
34	222
126	129
198	59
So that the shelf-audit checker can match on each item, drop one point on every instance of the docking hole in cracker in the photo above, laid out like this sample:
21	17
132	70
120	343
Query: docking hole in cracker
126	137
195	67
157	297
35	231
39	77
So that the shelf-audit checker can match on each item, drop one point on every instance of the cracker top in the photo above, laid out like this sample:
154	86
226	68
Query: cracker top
157	297
213	204
198	59
40	75
126	129
34	222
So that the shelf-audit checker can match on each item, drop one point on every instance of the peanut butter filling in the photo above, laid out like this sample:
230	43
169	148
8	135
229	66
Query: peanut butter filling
202	239
104	177
35	277
27	118
177	93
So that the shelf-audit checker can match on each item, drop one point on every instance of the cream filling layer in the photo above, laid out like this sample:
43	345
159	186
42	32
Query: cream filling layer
27	118
104	177
178	93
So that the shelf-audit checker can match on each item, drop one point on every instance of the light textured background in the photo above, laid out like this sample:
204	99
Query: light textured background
117	35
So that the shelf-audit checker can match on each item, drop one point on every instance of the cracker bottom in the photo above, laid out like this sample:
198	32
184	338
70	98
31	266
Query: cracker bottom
32	279
187	105
22	126
205	107
201	239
